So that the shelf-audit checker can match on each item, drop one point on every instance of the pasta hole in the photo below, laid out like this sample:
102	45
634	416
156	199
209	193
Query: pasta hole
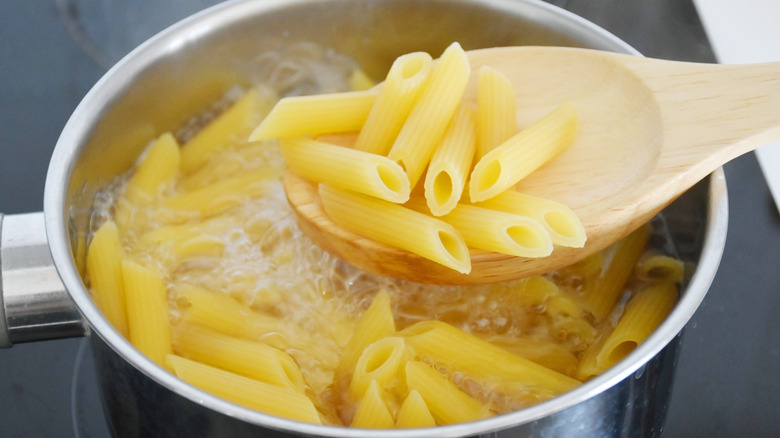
560	223
621	351
413	67
526	237
453	246
442	188
379	358
489	176
390	179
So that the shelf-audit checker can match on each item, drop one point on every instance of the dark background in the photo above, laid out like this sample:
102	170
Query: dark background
727	382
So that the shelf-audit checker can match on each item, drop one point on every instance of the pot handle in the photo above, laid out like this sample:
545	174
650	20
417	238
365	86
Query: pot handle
34	304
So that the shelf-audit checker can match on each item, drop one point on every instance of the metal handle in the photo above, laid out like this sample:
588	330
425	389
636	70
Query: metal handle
34	304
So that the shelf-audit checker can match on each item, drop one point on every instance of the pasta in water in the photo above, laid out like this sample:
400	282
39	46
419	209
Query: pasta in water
202	267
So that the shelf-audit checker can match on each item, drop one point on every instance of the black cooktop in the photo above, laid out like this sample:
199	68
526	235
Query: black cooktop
727	382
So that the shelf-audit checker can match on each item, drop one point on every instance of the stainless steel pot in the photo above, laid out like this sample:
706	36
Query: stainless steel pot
168	79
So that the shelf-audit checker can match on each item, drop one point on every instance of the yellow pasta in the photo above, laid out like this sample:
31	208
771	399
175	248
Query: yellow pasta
428	119
375	323
446	402
543	352
226	315
157	168
252	359
380	362
525	152
414	413
104	267
451	347
250	393
564	226
496	109
397	226
660	268
498	231
451	163
318	114
215	198
345	168
372	411
601	293
360	81
400	90
147	311
234	123
643	314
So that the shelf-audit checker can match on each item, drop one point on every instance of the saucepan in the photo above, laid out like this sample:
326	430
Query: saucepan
168	79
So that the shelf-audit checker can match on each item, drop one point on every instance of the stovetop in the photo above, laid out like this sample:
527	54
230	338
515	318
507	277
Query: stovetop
727	382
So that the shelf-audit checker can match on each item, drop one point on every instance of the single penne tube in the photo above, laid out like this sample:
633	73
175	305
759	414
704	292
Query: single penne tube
345	168
643	314
157	168
215	198
451	162
497	231
236	122
233	124
104	268
451	347
600	294
542	351
660	268
224	314
380	362
561	222
496	109
375	323
447	403
252	359
147	311
246	392
423	129
397	226
317	114
513	160
414	413
400	90
372	411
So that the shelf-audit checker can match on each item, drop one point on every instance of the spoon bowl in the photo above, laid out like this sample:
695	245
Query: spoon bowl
649	130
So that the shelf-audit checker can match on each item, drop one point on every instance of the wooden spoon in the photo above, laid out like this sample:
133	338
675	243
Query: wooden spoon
649	130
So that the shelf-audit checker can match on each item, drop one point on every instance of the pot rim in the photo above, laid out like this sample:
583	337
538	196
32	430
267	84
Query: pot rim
74	137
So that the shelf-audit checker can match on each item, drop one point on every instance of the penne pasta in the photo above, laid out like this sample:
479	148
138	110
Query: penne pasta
400	90
497	231
157	169
347	169
252	359
234	123
380	362
397	226
104	267
508	163
451	347
414	413
451	163
375	323
643	314
423	130
564	227
660	268
543	352
147	311
496	109
603	292
243	391
372	411
447	403
360	81
318	114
